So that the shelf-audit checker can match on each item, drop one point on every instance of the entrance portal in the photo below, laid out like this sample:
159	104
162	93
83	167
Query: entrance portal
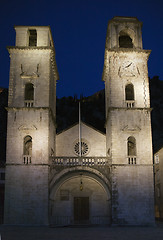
72	205
81	210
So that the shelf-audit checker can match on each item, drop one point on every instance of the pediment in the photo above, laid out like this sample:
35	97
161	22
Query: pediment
25	127
131	129
27	76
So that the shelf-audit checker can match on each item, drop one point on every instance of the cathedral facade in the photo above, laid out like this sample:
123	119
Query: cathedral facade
79	176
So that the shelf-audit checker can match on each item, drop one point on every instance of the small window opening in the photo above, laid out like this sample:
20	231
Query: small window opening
129	90
131	146
29	91
28	145
27	151
29	95
129	95
125	42
32	37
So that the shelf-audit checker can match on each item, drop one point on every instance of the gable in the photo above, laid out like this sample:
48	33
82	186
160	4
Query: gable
93	139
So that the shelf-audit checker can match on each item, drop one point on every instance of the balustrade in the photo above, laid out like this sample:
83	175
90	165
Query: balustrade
29	103
27	159
130	104
80	161
132	160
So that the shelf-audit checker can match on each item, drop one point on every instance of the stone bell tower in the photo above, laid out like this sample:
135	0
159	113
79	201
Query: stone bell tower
31	125
128	123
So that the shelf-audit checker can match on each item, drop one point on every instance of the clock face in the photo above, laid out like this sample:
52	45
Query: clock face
128	69
128	64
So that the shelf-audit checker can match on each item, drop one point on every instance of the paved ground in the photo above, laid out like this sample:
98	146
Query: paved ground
81	233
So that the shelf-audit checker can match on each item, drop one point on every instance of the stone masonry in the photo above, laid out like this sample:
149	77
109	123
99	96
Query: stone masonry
128	117
80	176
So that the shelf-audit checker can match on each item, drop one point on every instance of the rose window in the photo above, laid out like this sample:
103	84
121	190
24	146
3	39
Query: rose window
84	148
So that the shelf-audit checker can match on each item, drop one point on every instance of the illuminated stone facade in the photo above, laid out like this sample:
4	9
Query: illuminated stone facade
128	123
158	170
95	140
67	179
31	126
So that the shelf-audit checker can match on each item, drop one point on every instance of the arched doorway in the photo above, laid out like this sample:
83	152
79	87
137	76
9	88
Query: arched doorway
80	198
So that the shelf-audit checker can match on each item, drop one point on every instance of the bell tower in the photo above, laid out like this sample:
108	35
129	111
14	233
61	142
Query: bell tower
31	125
128	123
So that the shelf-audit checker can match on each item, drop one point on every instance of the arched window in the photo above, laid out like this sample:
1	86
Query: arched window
131	150
27	149
29	94
28	145
129	95
125	41
131	146
129	91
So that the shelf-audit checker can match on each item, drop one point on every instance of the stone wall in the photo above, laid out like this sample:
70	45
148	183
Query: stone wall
132	195
27	172
158	169
31	66
66	140
125	123
26	196
132	174
28	122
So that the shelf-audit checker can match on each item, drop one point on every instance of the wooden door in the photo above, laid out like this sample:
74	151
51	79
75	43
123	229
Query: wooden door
81	209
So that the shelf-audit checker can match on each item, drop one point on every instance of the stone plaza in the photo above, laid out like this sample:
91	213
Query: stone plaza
81	233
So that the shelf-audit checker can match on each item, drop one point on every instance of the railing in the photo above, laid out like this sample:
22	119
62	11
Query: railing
27	159
29	103
80	161
130	103
132	160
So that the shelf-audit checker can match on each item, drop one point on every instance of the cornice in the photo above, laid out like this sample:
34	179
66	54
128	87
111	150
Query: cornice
131	165
122	19
26	108
127	50
30	164
112	51
128	109
23	48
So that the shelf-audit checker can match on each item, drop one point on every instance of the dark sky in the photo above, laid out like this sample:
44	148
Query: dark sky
79	32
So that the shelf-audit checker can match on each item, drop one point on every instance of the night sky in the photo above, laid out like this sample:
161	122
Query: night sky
79	33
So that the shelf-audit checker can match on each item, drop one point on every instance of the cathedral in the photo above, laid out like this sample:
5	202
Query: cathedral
79	176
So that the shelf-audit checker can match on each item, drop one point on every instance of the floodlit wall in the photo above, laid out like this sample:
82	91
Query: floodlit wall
132	174
66	140
31	127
